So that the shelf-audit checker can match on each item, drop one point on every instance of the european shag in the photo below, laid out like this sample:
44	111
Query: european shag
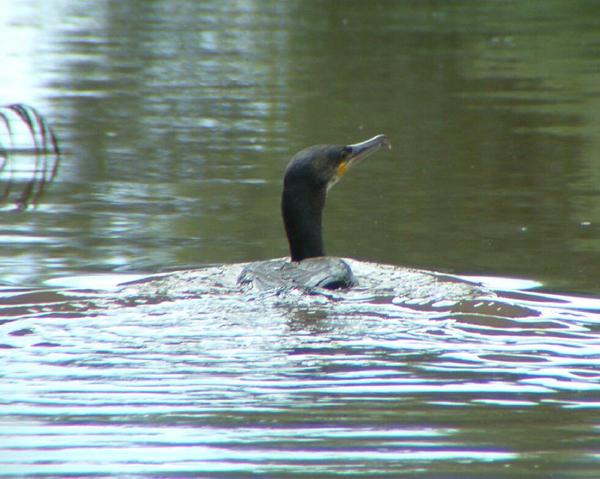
308	177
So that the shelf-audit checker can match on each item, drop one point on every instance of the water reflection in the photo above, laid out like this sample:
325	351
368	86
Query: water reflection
237	383
177	121
494	167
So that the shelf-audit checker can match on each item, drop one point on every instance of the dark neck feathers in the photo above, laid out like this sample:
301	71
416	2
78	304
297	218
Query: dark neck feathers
302	209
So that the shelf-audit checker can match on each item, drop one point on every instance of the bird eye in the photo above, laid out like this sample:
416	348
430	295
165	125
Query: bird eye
346	152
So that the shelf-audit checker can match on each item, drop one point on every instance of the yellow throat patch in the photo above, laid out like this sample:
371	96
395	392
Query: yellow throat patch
342	169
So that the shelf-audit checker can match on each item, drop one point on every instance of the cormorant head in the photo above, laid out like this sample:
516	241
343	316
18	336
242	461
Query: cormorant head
308	178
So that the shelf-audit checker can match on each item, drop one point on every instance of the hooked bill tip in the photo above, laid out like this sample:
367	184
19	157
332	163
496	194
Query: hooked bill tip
372	143
384	141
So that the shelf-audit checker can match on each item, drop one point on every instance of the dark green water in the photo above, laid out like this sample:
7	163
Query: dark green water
177	120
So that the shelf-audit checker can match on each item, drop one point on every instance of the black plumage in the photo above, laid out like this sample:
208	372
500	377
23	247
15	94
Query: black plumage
308	177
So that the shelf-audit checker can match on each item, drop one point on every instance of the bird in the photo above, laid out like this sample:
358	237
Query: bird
308	178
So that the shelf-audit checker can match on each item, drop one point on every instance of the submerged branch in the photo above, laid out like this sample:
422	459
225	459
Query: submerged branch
29	155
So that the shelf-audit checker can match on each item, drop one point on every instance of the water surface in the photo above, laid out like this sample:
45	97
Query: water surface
177	121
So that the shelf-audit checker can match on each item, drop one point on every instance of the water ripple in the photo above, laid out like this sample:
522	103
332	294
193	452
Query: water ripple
183	371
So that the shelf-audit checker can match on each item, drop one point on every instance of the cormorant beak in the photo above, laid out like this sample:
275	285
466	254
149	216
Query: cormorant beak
359	151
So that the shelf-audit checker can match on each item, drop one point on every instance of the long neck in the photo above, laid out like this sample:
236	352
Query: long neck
302	211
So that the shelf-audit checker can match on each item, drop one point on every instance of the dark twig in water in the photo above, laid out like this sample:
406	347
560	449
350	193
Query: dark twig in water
29	154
